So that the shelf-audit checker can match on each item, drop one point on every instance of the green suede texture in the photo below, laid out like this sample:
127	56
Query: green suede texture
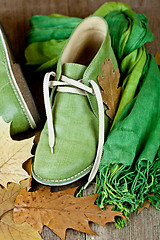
10	106
76	136
76	126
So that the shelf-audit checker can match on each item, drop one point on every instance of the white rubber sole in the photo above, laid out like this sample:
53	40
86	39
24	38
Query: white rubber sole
16	87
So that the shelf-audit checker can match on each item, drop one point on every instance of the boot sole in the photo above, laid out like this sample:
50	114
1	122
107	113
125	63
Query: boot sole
19	84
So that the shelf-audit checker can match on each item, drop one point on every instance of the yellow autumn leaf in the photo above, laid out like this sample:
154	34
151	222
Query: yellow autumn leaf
13	155
9	230
8	196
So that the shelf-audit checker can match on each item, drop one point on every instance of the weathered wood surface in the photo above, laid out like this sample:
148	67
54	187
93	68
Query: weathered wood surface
15	15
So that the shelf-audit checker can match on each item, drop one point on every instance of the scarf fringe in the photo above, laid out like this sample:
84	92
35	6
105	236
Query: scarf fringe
128	187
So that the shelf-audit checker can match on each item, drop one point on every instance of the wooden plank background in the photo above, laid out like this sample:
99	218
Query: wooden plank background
15	15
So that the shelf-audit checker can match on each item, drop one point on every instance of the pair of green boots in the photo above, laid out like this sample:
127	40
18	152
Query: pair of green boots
71	143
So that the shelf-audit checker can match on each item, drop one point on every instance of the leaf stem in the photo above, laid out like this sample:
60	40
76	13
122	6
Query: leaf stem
6	212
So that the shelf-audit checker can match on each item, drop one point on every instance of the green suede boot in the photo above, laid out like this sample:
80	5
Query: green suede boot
71	142
16	102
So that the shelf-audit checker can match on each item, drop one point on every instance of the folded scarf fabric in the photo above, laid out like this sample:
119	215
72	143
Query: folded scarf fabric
46	39
129	171
130	166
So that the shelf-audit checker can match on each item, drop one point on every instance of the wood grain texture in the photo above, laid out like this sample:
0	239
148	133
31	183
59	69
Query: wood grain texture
145	226
15	15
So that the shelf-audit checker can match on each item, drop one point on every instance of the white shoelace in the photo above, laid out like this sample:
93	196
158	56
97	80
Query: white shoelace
64	86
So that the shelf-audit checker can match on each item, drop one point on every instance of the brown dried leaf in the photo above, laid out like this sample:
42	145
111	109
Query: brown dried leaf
8	229
13	154
109	83
60	211
146	204
157	57
27	167
37	137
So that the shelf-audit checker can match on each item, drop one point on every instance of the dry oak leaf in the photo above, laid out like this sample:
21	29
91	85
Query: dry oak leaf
9	230
146	204
60	211
157	57
111	91
27	167
13	154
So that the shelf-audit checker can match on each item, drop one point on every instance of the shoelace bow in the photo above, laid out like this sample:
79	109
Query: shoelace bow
64	86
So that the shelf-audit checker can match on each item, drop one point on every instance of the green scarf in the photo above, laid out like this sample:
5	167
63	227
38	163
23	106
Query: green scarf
46	39
129	171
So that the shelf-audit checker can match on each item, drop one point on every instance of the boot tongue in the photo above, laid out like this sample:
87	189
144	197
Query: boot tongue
73	70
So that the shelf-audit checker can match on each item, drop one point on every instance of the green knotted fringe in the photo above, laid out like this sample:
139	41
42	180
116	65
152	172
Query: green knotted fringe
128	187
